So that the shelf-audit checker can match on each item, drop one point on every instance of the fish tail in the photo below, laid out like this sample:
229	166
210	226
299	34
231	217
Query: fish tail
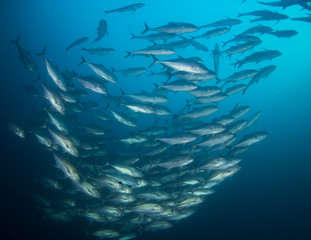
155	60
245	89
238	64
122	92
133	36
151	74
42	53
37	79
128	54
83	61
218	80
156	85
146	29
16	41
109	11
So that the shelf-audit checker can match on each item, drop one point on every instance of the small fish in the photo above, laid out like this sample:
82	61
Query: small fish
77	42
131	7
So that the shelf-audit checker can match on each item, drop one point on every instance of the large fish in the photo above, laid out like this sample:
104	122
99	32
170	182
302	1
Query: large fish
131	7
25	57
77	42
228	22
173	27
258	57
102	29
54	73
101	71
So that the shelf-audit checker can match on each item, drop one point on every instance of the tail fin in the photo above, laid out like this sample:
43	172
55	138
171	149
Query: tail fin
108	11
156	85
16	41
128	54
42	53
146	29
133	36
218	80
245	89
238	64
122	91
83	61
155	60
37	79
151	74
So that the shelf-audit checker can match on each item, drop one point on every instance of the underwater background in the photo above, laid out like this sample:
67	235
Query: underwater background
269	198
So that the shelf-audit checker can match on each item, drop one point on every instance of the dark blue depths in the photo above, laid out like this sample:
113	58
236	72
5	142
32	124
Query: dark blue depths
268	198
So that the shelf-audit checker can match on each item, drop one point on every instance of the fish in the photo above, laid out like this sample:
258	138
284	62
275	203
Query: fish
92	84
178	85
173	27
178	138
258	57
134	71
200	112
65	142
77	42
25	57
240	48
214	33
303	19
54	73
102	30
155	36
284	3
184	65
228	22
265	15
284	33
240	75
98	51
251	139
216	57
262	73
150	51
176	162
216	139
261	29
66	167
128	8
17	130
101	71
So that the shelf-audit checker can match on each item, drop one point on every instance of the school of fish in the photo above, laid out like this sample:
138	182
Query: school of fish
127	162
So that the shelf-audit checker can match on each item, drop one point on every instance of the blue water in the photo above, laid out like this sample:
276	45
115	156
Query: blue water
269	198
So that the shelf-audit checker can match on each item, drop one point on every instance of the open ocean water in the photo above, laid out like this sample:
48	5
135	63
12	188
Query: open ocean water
267	198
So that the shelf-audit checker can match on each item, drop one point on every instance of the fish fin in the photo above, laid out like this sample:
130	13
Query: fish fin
16	41
122	92
156	85
155	60
83	61
113	69
42	53
238	64
128	54
245	89
133	36
146	28
218	80
37	79
151	74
